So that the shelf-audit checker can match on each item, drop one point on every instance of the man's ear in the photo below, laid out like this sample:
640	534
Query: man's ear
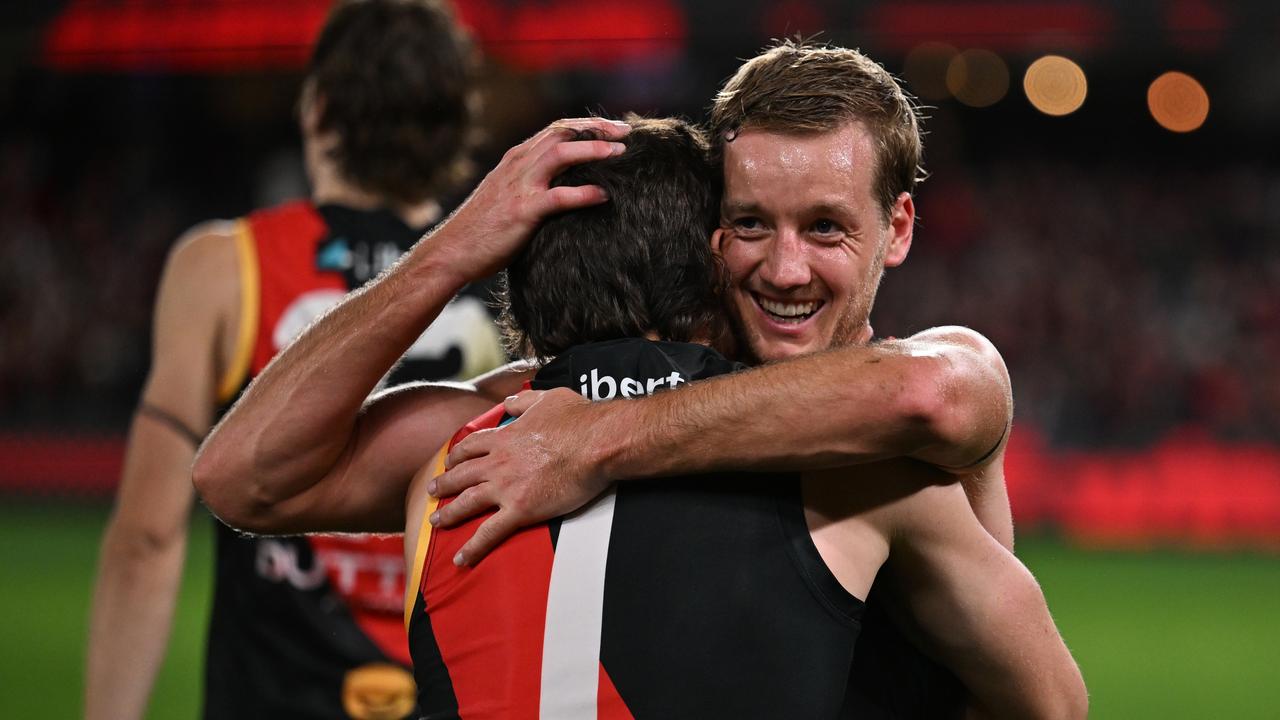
310	108
717	236
902	223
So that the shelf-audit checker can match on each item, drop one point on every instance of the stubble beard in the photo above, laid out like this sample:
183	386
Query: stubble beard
848	330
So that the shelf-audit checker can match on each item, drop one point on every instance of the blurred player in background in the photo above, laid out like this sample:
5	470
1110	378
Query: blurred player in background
300	628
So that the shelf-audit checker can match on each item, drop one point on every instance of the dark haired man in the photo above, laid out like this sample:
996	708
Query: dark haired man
674	598
299	627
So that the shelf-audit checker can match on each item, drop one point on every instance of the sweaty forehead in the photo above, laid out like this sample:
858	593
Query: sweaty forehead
770	168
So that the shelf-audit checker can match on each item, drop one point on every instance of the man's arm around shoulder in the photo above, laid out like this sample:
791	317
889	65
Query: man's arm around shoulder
941	396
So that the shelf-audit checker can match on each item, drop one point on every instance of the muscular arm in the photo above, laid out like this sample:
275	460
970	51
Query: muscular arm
301	450
142	552
980	611
941	397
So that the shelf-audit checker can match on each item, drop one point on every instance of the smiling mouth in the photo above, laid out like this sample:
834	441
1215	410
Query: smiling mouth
792	313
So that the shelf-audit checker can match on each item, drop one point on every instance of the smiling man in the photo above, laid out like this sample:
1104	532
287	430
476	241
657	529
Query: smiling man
804	238
820	150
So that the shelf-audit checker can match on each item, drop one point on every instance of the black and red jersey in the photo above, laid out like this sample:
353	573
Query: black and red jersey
311	627
698	598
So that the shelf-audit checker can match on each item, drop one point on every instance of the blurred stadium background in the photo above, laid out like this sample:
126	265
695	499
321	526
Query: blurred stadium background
1115	230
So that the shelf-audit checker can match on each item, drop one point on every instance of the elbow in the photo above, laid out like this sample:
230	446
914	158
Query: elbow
957	408
1073	697
230	494
1062	694
931	401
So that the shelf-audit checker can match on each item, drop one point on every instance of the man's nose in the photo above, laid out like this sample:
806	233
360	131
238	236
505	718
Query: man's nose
786	266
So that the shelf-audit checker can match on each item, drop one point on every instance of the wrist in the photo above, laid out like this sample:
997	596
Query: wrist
617	440
434	267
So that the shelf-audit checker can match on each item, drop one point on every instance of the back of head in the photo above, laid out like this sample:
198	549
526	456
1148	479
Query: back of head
639	263
801	88
394	78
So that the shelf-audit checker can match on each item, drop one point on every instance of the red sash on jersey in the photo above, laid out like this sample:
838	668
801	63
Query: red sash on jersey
489	620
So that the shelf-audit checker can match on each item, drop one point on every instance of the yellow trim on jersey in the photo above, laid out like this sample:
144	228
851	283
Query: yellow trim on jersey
424	538
247	331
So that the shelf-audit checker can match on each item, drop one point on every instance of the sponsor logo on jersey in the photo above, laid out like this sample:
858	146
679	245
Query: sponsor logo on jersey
358	568
605	387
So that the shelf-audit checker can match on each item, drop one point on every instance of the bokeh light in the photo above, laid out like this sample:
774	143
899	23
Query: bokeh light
1178	102
1055	85
978	78
925	70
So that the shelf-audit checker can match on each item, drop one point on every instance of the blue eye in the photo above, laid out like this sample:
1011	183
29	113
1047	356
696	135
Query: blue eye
823	227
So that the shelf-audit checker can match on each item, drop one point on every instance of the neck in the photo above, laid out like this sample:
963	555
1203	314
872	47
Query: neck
330	187
700	338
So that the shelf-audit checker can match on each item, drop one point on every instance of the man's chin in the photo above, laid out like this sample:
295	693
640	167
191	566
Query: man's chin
766	349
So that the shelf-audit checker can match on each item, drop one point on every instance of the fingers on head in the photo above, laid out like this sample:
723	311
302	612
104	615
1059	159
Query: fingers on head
603	127
568	198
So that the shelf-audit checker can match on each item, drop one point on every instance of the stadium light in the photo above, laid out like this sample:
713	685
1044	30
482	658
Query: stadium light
1178	102
978	78
925	70
1055	85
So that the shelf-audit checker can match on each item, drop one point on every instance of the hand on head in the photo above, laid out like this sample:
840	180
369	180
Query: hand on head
506	207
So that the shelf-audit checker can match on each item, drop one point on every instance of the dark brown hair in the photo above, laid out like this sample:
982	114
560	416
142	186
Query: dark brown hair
804	88
395	81
640	262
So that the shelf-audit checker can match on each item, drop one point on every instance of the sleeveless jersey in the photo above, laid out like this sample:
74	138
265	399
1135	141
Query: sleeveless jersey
891	678
698	598
310	627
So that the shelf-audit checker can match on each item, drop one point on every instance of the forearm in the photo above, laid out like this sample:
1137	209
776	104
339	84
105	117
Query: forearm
838	408
297	417
133	605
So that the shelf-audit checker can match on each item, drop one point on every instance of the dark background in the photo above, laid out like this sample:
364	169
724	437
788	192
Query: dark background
1129	274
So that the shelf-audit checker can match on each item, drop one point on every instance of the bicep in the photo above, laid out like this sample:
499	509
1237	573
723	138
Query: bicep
397	433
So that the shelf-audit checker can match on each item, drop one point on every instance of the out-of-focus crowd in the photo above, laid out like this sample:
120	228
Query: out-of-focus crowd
80	256
1127	301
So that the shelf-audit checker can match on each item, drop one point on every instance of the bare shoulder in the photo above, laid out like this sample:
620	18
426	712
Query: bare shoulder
208	241
202	265
195	305
503	381
959	337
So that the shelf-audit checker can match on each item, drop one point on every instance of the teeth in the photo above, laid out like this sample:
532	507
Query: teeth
788	309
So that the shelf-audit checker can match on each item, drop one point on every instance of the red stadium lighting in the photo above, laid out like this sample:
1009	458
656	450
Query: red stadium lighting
236	35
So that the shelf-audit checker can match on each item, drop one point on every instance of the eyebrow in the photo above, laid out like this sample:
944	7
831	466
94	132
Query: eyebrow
733	208
844	211
822	208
